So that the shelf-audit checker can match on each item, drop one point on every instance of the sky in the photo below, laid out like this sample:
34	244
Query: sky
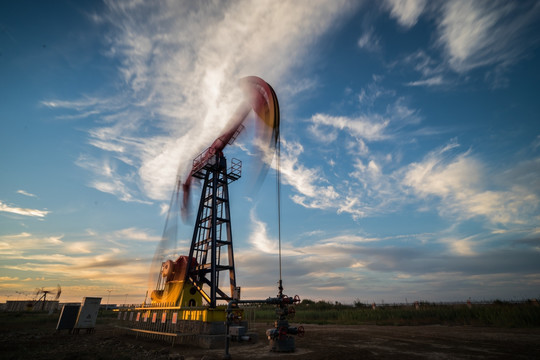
410	144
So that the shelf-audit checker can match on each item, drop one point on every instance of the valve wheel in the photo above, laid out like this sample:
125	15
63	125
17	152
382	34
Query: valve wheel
296	299
291	311
301	331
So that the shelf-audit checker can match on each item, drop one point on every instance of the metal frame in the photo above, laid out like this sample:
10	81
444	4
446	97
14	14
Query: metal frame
212	231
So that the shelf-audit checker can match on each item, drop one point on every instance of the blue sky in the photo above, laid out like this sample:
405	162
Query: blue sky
410	144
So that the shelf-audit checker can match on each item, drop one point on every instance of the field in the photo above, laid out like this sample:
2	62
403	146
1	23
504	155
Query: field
496	313
333	331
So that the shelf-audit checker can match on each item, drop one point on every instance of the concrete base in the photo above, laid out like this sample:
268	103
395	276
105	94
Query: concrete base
159	325
200	327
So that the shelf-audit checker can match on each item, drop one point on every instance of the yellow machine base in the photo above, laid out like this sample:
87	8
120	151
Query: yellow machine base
174	314
203	327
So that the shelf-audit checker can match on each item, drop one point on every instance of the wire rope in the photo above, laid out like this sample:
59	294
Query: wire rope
278	190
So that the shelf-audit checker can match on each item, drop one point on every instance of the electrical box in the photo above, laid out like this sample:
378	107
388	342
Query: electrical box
68	317
88	313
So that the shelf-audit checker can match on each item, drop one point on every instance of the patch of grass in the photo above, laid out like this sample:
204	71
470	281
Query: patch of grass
498	314
31	320
26	320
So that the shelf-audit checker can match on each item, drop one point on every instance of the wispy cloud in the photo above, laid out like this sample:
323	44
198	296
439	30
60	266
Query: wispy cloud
370	129
492	35
431	67
105	269
433	81
107	179
23	211
135	234
361	263
369	41
79	104
262	242
461	183
26	193
483	33
463	246
180	89
298	86
406	12
374	92
77	257
308	183
458	184
367	187
14	245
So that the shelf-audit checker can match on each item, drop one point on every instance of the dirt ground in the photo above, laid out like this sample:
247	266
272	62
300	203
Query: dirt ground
319	342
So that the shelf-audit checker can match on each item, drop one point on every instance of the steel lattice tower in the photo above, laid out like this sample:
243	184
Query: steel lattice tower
211	245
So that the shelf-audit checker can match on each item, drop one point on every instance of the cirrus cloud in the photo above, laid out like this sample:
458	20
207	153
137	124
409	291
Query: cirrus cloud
23	211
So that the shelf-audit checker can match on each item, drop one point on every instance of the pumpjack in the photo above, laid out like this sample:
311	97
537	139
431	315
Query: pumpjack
188	303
